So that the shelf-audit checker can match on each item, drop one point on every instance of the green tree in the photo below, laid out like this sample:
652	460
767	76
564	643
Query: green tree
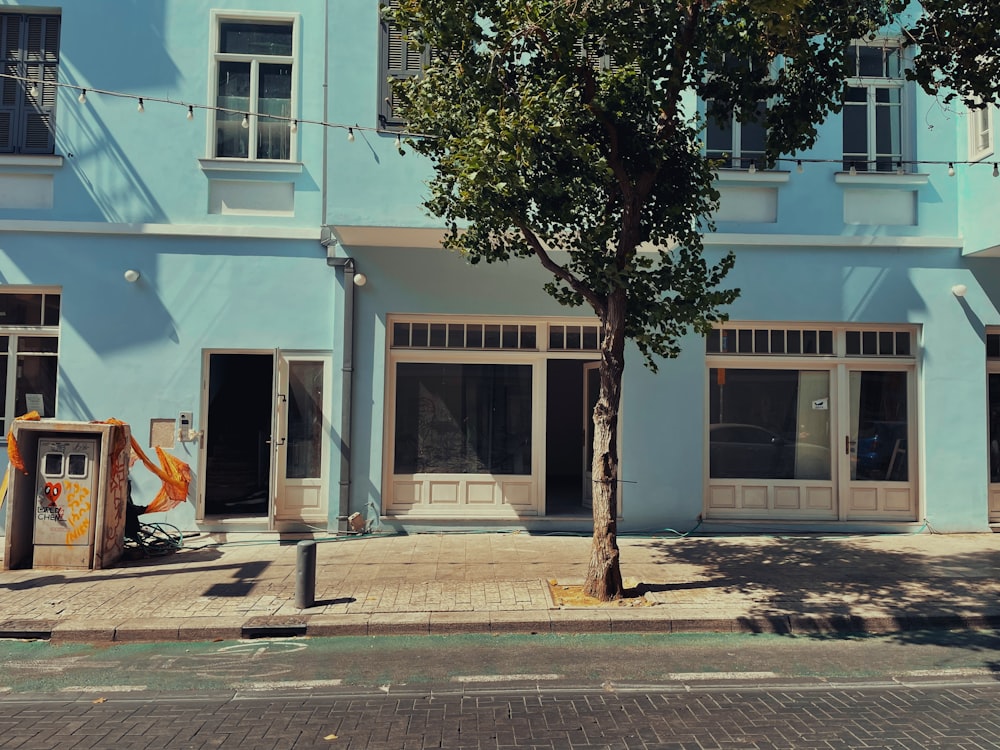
958	50
569	131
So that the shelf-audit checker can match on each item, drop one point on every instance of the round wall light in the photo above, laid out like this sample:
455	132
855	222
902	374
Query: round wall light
132	276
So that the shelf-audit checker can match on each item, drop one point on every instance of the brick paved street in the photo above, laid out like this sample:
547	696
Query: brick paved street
957	717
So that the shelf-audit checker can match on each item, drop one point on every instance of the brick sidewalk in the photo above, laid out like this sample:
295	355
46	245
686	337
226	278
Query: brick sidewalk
228	586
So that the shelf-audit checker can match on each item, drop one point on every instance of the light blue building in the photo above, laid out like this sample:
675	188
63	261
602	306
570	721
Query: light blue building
208	231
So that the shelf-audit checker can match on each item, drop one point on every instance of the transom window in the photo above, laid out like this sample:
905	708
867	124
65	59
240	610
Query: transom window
873	107
27	110
769	341
254	61
29	353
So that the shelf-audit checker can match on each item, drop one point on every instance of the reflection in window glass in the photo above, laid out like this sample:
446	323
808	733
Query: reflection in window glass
463	419
879	426
305	420
769	424
994	407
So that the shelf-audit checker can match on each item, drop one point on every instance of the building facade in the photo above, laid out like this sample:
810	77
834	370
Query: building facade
221	244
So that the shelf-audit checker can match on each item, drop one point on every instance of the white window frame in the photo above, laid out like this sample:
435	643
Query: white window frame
217	57
735	152
980	133
14	334
872	84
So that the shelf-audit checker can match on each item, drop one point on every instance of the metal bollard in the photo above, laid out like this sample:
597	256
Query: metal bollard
305	574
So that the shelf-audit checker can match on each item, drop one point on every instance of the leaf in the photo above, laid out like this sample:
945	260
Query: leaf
101	700
330	737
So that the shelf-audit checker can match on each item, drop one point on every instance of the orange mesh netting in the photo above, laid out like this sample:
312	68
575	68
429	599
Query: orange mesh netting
174	473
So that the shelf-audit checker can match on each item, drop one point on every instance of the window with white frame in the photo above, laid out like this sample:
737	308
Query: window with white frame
873	113
980	132
736	144
254	61
29	353
28	101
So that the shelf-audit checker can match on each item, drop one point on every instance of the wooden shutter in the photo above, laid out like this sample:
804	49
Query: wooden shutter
10	89
41	50
398	60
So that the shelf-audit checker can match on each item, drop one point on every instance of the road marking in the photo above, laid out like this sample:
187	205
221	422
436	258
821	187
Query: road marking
505	677
721	675
103	688
288	685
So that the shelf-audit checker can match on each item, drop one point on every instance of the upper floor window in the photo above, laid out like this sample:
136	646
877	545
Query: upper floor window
873	107
736	144
29	354
254	62
397	59
980	133
27	109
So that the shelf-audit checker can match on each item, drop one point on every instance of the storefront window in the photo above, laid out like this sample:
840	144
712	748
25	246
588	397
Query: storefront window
769	424
462	418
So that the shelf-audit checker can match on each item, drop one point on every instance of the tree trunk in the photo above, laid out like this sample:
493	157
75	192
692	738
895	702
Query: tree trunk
604	577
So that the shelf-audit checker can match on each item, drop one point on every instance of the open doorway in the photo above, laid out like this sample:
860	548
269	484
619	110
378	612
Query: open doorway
237	452
567	415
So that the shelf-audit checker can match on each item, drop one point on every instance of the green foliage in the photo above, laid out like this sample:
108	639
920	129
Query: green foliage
597	169
958	43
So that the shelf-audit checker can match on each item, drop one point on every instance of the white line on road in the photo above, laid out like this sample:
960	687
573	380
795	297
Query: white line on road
505	677
103	688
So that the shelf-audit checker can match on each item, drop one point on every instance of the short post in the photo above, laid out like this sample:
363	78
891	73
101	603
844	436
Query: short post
305	574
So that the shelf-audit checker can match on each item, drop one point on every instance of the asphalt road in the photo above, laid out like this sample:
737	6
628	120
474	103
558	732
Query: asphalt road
934	689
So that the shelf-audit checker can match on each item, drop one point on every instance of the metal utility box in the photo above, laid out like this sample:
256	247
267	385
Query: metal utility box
68	510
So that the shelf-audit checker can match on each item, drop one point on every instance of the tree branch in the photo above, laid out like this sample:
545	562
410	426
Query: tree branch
561	272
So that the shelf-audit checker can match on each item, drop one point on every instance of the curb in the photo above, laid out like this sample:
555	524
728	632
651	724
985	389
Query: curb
522	622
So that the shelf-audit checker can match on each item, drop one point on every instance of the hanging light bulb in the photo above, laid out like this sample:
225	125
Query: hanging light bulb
190	114
752	169
399	142
853	170
951	169
83	96
996	170
33	90
899	167
350	135
246	121
798	166
294	127
140	109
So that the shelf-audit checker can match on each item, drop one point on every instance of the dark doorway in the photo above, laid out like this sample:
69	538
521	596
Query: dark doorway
238	456
564	438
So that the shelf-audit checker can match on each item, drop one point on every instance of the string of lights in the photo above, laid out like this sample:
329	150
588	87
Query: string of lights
854	166
32	86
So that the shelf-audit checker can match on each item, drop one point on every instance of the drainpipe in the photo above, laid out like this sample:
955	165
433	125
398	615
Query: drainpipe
351	277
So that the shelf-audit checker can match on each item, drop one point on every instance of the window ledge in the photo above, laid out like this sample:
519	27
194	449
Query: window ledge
20	161
881	179
250	166
760	176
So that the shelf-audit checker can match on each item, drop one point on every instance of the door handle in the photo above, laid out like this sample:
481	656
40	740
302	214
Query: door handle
847	445
276	443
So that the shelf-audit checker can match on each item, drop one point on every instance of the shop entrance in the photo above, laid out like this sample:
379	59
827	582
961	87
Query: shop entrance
265	453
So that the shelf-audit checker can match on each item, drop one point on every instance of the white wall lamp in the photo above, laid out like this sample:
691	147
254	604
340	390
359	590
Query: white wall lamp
360	279
959	290
132	276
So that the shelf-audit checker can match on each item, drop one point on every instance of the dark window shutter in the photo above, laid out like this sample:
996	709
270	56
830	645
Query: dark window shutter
30	48
41	50
398	60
